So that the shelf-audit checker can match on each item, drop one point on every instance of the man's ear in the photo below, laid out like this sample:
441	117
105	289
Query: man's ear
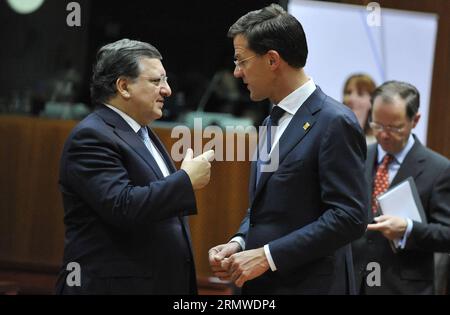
416	119
273	58
122	87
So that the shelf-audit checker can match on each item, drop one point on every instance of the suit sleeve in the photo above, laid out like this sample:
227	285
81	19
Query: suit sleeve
344	195
434	236
243	228
92	168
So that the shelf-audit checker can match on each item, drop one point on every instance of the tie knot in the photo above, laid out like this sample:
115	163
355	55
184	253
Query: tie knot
387	159
142	133
276	114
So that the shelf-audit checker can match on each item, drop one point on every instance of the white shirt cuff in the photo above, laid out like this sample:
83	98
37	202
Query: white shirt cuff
409	226
239	240
269	258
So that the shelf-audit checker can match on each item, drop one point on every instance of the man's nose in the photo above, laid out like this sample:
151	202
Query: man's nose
384	135
237	72
165	90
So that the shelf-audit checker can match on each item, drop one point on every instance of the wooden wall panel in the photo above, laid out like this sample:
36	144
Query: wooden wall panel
30	208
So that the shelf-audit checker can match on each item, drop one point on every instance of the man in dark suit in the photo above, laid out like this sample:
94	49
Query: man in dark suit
407	266
306	210
125	204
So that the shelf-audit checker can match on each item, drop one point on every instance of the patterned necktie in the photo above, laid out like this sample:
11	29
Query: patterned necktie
381	181
272	121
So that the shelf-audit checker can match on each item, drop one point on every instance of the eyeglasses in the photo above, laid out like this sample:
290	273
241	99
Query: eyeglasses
157	81
378	128
240	63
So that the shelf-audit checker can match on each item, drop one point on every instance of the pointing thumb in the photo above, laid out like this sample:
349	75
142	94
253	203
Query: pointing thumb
209	155
189	155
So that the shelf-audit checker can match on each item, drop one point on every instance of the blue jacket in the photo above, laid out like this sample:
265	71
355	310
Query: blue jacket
313	205
125	223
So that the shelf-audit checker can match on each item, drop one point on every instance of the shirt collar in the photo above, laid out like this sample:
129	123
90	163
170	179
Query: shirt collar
133	124
400	156
293	101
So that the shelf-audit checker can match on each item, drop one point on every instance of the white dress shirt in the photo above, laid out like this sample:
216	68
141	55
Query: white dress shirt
152	148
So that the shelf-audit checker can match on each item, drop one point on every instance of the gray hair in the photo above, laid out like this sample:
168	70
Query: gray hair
120	58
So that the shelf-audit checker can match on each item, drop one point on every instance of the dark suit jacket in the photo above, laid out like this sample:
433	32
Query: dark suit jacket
313	205
410	271
125	223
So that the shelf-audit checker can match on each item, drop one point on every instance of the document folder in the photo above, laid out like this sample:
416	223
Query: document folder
403	201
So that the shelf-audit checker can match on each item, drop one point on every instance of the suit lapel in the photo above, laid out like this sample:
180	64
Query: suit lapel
163	151
127	134
412	164
294	133
252	182
370	175
184	221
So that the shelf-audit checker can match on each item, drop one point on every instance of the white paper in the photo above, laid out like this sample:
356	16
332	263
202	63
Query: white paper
399	201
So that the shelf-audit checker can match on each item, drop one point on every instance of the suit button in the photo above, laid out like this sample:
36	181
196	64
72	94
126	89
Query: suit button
252	225
370	241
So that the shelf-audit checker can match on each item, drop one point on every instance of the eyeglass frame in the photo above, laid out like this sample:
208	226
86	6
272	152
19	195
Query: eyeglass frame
162	80
238	63
379	127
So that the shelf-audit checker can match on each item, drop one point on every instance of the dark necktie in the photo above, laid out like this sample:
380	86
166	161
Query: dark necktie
381	181
272	121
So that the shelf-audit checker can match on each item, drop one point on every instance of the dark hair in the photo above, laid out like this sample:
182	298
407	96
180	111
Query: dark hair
273	28
406	91
120	58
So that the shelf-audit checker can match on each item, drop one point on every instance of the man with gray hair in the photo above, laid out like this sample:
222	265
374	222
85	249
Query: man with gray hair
397	155
125	204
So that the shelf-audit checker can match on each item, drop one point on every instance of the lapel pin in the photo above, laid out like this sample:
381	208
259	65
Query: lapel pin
306	126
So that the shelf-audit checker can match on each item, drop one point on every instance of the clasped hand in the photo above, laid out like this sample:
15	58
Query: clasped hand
228	262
